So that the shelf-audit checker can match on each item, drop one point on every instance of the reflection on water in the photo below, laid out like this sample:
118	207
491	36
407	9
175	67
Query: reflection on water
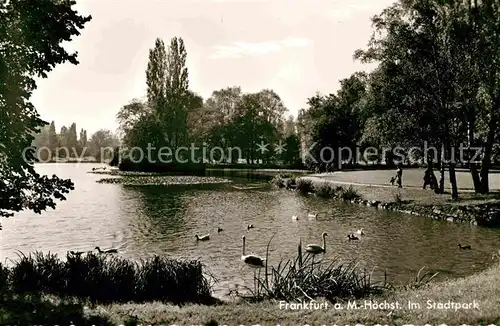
143	221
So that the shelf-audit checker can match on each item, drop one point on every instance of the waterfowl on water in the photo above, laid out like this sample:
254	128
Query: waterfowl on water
203	237
109	251
316	249
250	226
312	215
76	253
251	260
360	232
219	229
295	218
467	247
352	237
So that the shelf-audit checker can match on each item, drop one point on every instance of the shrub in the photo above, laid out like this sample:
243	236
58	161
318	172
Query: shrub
4	278
278	181
397	197
349	194
101	278
420	280
325	190
305	186
306	279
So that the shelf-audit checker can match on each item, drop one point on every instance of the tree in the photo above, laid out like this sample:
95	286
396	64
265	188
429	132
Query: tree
219	113
177	90
63	143
42	140
72	140
335	121
82	142
53	139
411	40
31	33
486	19
167	90
102	143
128	118
289	127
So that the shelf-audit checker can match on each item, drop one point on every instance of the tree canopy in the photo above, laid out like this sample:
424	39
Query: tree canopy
31	33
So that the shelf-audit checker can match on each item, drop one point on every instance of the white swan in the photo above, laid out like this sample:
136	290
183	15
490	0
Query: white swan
311	215
316	249
251	260
109	251
360	232
203	237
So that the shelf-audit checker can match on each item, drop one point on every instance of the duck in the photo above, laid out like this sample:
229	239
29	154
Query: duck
295	218
352	237
251	260
360	232
316	249
312	215
109	251
76	253
467	247
250	226
203	237
219	229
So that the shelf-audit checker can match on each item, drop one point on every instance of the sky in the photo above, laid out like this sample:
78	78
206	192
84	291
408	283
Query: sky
296	48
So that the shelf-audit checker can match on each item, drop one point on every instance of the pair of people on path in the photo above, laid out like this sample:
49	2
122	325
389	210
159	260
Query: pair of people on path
430	178
399	177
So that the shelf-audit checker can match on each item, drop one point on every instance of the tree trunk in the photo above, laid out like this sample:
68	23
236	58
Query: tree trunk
486	162
475	178
453	181
472	166
440	189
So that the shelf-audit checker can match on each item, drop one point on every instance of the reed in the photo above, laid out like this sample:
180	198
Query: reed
278	181
324	190
102	278
349	194
302	278
305	186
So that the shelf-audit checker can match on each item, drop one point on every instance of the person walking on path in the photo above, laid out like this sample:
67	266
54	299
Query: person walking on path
399	176
430	178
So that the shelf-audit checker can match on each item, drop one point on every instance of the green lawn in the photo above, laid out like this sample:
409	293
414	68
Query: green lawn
482	288
411	178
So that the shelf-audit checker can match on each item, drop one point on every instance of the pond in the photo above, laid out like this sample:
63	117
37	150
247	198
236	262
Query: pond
149	220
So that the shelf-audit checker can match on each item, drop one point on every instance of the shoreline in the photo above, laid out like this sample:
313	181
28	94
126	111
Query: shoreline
479	290
479	212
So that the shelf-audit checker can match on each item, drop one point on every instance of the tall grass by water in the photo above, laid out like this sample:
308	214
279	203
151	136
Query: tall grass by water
101	278
306	277
305	186
327	190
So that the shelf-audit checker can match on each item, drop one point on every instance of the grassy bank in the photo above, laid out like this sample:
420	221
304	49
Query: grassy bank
483	210
102	278
294	279
483	288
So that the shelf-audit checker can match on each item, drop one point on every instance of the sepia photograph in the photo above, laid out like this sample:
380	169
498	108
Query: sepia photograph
249	162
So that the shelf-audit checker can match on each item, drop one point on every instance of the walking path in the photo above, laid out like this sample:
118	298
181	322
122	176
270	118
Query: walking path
412	178
375	185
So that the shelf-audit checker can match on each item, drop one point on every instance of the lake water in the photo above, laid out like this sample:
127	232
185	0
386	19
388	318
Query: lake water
143	221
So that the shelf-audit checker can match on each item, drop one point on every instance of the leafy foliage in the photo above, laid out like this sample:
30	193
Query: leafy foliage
31	33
